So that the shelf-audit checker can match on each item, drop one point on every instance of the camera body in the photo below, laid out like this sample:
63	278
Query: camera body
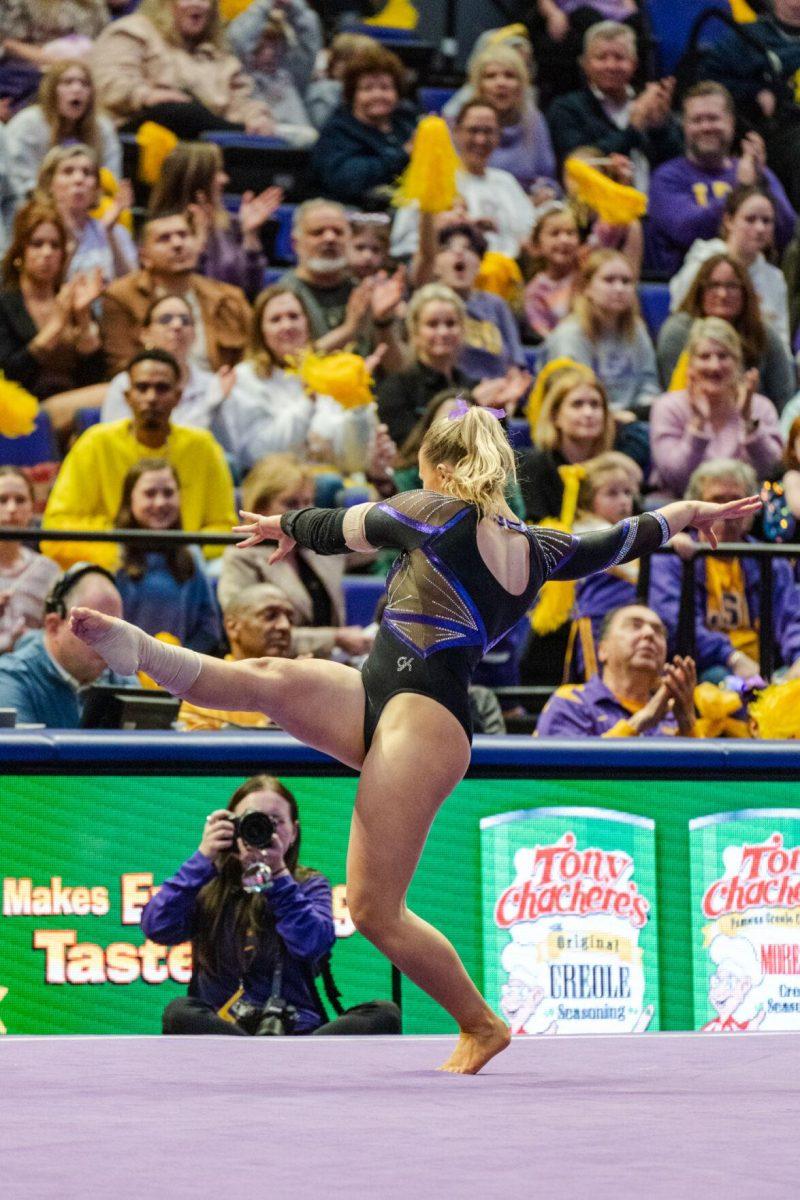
255	829
275	1019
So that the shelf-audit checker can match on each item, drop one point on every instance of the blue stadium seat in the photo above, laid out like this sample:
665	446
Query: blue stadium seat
519	433
246	141
361	595
85	417
38	447
533	356
382	33
654	301
433	99
671	23
284	251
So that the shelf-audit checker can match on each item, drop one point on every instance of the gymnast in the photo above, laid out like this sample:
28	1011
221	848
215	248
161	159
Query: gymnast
468	570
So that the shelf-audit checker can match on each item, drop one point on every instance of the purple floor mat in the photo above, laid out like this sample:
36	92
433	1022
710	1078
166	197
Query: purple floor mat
662	1115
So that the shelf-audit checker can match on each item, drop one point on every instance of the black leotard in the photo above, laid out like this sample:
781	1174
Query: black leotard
445	608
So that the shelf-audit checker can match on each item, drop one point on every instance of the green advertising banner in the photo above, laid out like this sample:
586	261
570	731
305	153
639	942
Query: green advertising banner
745	872
569	920
80	858
79	855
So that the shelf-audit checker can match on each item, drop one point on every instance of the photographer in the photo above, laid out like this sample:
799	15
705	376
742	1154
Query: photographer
255	952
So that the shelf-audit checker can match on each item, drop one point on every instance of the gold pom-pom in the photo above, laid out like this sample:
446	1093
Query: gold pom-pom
500	274
613	202
557	598
398	14
679	380
742	12
18	409
155	143
230	9
716	707
776	711
430	177
343	376
109	187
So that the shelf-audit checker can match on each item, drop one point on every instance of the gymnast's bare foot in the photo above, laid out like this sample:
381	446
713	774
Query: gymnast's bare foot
89	625
114	640
476	1047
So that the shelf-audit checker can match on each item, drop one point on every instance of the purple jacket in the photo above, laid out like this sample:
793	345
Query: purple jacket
225	259
526	150
713	647
591	710
686	203
303	919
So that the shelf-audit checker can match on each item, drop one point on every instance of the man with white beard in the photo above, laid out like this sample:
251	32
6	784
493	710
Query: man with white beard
340	310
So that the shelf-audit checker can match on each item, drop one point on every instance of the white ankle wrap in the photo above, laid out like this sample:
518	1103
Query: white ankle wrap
174	667
127	649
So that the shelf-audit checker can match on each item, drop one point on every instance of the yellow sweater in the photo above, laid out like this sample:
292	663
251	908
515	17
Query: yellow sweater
88	488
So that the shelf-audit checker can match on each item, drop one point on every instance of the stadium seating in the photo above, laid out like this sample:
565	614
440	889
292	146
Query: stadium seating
361	595
654	301
38	447
433	99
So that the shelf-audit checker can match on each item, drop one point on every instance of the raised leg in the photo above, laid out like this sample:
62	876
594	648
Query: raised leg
320	703
418	755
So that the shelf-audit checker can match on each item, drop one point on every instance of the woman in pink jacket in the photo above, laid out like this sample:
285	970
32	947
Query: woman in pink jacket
718	415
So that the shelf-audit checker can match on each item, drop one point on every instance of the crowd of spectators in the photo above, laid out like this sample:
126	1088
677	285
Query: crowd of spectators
163	328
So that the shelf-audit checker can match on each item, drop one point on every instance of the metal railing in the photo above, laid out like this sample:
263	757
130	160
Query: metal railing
685	636
762	551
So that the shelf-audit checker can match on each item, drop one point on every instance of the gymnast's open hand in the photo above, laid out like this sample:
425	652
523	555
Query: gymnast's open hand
709	519
264	529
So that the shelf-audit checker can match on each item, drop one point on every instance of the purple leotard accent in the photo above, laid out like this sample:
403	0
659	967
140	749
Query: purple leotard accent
444	605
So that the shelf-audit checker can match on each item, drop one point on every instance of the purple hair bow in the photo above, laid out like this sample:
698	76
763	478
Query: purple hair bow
462	406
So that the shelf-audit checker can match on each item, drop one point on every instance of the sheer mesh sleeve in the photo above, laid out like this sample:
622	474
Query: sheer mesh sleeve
570	557
401	523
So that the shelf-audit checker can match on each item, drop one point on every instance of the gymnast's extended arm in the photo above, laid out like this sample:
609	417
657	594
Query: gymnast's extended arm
568	557
363	528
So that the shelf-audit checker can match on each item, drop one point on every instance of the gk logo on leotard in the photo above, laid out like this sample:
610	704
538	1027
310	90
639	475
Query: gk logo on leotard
404	663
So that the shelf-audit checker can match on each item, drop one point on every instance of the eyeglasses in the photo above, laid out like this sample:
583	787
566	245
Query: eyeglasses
713	286
170	319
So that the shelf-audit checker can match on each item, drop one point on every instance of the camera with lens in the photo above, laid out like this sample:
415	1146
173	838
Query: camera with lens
275	1019
255	828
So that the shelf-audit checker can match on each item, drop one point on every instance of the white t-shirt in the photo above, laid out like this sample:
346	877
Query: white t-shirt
275	415
496	195
768	281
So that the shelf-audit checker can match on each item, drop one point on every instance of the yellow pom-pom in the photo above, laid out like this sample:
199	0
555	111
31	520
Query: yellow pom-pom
613	202
430	177
18	409
557	597
554	606
679	380
343	376
742	12
230	9
500	274
155	143
776	711
398	14
716	707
